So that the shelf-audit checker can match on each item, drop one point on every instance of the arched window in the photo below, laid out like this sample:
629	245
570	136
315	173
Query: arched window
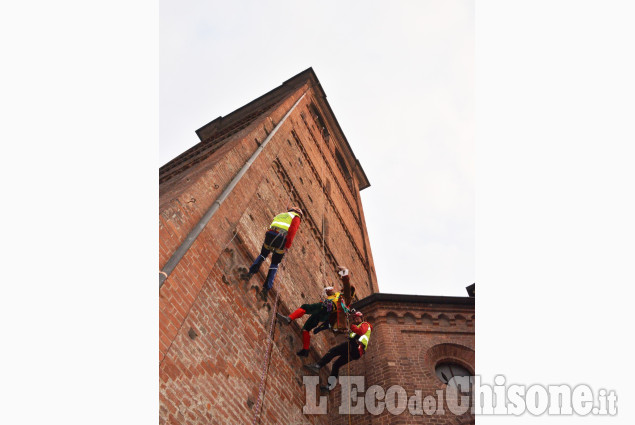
447	370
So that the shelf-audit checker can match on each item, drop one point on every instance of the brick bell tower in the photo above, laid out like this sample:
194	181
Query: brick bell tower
216	201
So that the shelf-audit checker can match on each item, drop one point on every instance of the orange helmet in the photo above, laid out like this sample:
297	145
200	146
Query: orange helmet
295	210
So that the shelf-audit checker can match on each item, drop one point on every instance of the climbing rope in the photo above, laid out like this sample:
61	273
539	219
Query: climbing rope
265	363
348	365
323	210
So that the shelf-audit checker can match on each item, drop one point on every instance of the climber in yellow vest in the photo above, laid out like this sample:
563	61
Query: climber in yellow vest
352	349
277	240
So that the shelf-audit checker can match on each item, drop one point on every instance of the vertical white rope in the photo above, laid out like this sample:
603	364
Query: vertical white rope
348	353
324	283
265	363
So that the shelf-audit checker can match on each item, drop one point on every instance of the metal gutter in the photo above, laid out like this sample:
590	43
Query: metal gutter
420	299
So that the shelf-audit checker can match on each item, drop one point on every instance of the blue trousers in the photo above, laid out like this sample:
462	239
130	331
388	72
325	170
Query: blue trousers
274	242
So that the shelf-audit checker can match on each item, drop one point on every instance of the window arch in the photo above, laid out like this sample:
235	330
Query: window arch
391	318
444	320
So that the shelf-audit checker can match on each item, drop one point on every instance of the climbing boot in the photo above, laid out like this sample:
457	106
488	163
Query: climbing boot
303	353
263	293
324	389
285	319
313	367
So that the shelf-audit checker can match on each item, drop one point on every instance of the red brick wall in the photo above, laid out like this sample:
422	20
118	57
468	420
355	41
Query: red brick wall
407	342
213	326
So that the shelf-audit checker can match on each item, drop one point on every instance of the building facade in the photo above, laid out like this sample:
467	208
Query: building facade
418	342
217	362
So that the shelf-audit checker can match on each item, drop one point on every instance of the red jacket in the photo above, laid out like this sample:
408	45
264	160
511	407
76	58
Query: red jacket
295	223
361	330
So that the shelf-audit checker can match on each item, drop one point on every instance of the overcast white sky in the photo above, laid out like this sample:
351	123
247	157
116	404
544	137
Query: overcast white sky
400	81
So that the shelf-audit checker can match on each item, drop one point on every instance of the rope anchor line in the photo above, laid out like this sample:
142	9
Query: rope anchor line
265	363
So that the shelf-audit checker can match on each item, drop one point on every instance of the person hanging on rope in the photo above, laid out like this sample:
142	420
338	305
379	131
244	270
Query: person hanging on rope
278	239
333	303
351	349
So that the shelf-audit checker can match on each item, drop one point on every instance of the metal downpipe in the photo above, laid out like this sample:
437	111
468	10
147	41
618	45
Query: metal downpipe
198	228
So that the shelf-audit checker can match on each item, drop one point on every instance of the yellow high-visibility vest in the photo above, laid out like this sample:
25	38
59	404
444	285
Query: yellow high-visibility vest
333	297
283	221
364	338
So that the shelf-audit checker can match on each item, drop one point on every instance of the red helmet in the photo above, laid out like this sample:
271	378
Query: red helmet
358	314
295	210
